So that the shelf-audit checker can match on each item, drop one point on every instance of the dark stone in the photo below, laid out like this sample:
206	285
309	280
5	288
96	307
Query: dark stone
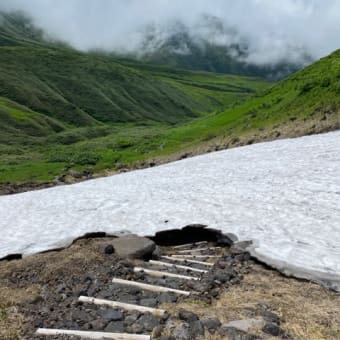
272	329
270	316
211	324
196	329
110	314
187	316
150	302
149	322
97	325
131	319
115	327
226	239
136	328
222	277
109	249
167	298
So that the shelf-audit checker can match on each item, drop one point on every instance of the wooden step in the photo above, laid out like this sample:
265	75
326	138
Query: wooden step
158	273
152	288
167	264
92	335
121	305
195	256
190	245
181	259
197	250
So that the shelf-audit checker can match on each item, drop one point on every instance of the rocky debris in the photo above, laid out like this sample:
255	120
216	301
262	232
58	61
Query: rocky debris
132	246
57	305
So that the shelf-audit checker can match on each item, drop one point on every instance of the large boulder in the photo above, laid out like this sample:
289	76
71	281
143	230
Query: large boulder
133	246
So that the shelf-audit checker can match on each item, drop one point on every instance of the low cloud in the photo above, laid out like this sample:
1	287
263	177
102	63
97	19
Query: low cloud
274	31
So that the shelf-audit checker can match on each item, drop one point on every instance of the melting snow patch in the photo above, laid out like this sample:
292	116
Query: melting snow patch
284	195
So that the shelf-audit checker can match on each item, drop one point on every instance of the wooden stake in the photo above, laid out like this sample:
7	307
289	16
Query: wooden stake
152	288
92	335
162	274
125	306
186	260
167	264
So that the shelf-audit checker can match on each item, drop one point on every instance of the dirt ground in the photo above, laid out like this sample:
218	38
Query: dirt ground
306	310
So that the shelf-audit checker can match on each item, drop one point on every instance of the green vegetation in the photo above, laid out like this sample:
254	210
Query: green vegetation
61	109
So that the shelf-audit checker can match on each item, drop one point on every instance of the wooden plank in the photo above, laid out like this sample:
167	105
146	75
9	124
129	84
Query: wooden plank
181	259
158	273
196	256
196	250
152	288
190	245
121	305
167	264
92	335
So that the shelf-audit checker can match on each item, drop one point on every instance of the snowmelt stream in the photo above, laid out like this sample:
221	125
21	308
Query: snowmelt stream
284	195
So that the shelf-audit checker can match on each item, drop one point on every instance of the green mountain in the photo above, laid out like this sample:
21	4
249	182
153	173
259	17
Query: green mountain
60	108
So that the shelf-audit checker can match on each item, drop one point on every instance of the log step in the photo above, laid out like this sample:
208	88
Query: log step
167	264
157	273
181	259
152	288
196	250
196	256
92	335
121	305
190	245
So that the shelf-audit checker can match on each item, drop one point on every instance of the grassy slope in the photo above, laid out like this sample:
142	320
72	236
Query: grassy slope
96	144
306	102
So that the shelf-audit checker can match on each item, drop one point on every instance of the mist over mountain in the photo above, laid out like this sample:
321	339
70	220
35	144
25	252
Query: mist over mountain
277	36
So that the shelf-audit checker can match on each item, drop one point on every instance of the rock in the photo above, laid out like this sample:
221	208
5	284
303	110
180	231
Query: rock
272	329
115	327
109	249
196	329
167	298
136	328
235	334
187	316
131	319
148	321
211	324
181	332
246	325
156	254
148	302
97	325
110	314
133	246
226	239
223	277
270	316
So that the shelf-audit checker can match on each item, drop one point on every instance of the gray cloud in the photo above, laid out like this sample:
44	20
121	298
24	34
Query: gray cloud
275	30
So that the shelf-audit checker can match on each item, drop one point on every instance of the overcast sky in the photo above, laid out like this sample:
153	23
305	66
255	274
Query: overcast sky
275	28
